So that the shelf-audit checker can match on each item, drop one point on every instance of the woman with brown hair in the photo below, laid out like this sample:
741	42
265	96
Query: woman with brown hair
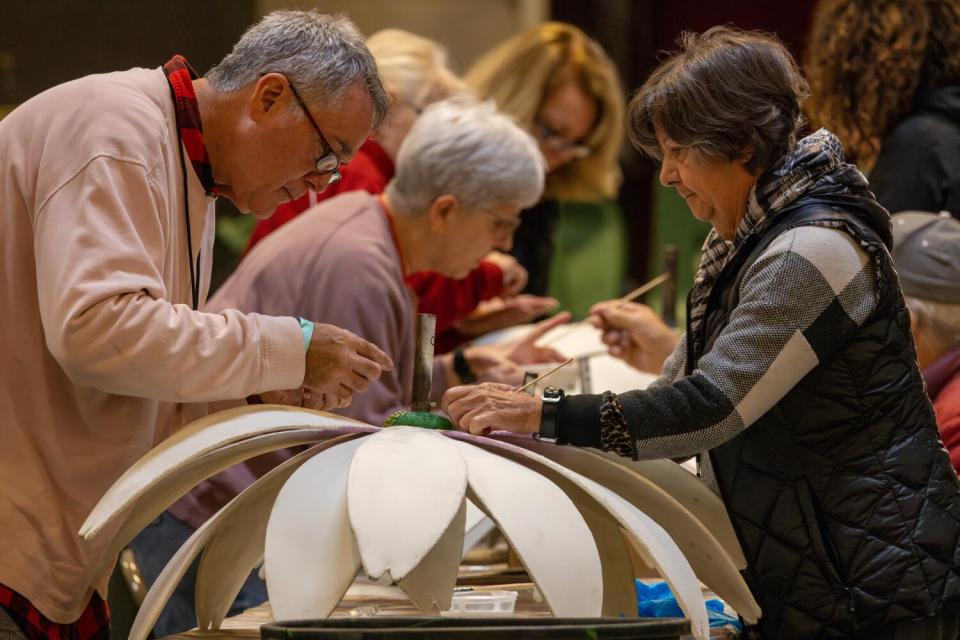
796	381
885	76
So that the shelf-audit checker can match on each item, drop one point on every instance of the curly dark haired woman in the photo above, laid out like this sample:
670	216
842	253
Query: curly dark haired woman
885	76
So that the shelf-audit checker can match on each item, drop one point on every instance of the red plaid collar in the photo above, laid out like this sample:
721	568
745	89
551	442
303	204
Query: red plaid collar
93	623
180	76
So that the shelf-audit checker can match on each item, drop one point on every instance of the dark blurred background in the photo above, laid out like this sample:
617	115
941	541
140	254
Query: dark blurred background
46	42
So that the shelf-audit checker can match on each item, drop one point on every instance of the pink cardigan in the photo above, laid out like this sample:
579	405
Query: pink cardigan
99	343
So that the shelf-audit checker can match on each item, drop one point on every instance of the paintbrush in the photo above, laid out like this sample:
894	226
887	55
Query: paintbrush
630	297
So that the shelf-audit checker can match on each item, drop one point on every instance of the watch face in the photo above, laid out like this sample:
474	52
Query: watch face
552	393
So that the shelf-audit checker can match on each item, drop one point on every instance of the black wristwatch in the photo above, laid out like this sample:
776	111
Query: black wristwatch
550	415
462	368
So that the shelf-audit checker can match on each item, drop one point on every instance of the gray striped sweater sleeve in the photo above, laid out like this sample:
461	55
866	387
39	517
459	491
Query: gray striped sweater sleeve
809	291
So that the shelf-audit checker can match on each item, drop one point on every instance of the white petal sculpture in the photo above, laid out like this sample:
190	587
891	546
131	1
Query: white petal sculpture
394	502
713	562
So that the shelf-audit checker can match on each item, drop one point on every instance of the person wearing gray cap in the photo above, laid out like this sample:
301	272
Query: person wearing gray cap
926	252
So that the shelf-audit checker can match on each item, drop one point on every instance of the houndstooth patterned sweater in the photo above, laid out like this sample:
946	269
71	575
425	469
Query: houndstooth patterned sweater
807	278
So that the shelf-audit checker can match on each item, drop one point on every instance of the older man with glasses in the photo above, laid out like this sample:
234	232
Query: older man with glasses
107	185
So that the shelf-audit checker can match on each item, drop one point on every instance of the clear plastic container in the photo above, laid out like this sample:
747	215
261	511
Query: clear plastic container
486	603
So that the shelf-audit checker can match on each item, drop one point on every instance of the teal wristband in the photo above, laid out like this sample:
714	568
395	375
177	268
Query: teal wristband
307	327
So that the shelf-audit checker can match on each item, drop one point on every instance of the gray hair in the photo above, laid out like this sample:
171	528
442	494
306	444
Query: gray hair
723	91
321	55
470	151
942	318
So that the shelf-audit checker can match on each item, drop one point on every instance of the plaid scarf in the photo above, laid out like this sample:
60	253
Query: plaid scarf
815	162
93	623
180	76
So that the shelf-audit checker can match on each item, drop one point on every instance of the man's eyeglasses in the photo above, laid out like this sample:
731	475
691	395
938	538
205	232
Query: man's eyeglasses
328	164
558	142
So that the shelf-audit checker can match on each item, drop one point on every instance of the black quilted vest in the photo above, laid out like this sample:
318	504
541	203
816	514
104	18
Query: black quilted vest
842	495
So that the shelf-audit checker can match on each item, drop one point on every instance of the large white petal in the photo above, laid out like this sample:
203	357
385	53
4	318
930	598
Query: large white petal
430	584
252	503
201	437
167	490
236	547
709	559
650	539
544	527
310	557
693	494
405	486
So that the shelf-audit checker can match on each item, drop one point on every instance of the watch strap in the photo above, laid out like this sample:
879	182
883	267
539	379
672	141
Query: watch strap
462	367
550	415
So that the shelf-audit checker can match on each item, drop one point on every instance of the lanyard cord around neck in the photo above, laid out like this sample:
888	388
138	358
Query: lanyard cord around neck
194	269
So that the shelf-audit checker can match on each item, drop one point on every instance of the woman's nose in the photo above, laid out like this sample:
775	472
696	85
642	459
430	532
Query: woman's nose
668	172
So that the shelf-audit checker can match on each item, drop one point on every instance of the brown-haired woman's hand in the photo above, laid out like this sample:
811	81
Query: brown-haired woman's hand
482	408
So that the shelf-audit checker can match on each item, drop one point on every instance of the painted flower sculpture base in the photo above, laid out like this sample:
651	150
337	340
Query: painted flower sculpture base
393	502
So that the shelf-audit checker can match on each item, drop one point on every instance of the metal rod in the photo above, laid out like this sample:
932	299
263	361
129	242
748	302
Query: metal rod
423	362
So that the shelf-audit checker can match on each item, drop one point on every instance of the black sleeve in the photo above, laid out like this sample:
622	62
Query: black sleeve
578	420
909	173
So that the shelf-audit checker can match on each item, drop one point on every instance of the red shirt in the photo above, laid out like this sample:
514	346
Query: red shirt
448	299
943	385
369	171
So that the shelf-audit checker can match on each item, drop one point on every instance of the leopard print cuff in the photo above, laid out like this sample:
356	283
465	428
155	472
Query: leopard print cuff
614	434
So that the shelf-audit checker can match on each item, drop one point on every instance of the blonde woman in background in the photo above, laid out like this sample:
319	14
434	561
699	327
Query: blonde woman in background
563	88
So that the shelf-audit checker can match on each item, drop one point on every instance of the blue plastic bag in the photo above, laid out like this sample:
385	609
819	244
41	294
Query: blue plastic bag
657	601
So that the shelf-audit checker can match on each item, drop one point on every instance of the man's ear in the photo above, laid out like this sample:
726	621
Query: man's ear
746	154
441	211
270	92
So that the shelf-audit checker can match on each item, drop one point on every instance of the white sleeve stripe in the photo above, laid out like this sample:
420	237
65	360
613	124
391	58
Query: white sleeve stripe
795	360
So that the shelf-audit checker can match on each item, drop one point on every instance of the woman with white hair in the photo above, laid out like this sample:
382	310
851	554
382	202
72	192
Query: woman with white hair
464	172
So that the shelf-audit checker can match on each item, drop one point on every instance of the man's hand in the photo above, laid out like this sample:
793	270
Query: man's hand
480	409
339	364
514	275
500	313
634	334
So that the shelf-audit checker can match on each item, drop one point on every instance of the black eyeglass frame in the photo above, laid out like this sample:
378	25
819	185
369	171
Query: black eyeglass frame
327	164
